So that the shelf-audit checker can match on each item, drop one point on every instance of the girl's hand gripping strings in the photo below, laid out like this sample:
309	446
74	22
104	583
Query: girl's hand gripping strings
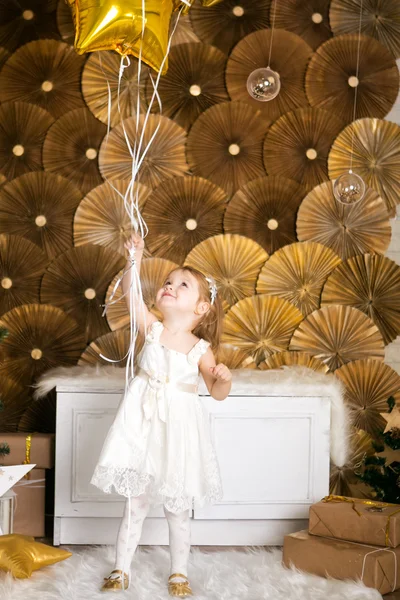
135	245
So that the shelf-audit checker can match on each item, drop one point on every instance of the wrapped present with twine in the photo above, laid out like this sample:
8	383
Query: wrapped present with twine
27	448
29	504
356	520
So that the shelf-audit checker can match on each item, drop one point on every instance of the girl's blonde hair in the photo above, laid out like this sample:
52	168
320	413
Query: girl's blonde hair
210	325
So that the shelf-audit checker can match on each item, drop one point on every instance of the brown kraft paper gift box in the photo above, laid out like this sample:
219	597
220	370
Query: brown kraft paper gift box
375	566
29	503
356	520
40	449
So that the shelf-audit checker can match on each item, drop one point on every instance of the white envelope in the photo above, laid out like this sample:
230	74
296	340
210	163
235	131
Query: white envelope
9	476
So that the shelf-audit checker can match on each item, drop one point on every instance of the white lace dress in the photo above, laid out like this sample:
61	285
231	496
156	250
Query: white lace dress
160	440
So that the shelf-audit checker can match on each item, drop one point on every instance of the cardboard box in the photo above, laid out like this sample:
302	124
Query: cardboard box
356	520
375	566
39	450
29	504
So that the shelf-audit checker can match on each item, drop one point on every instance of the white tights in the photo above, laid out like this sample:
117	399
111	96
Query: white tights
179	536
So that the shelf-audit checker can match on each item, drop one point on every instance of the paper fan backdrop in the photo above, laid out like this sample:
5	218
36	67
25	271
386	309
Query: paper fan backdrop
371	284
290	359
22	265
14	399
234	357
225	145
181	213
347	230
368	385
77	282
380	20
261	325
71	148
46	73
26	20
265	211
376	156
23	128
234	261
153	273
65	23
113	346
195	80
40	337
184	33
297	273
308	20
343	479
101	217
331	78
224	24
289	57
165	157
4	54
40	206
40	415
102	68
337	335
298	144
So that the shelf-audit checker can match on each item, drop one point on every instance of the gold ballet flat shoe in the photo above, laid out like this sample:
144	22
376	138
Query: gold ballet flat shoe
179	588
114	584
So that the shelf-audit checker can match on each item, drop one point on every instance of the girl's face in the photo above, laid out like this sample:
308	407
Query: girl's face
180	291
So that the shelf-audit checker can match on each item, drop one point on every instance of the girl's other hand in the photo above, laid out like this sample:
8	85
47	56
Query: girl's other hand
135	242
221	372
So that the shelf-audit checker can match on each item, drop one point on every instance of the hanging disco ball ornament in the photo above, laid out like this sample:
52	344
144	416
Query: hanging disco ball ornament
263	84
349	188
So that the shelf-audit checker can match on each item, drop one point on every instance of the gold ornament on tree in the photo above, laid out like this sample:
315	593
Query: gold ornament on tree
297	273
347	230
368	385
261	325
370	283
265	211
234	261
337	335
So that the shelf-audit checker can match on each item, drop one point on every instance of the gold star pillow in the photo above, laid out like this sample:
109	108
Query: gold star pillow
21	555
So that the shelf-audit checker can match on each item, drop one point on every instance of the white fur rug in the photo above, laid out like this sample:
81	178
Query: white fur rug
251	574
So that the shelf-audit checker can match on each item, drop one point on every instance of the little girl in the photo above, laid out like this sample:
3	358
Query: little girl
159	448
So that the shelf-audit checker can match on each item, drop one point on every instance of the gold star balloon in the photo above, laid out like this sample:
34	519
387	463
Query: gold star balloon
21	555
392	419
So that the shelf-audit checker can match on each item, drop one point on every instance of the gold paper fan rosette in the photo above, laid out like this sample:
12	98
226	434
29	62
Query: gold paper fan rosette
165	157
368	385
153	273
40	337
297	273
375	156
102	68
225	145
308	20
26	20
40	206
77	282
23	128
22	265
298	144
289	57
380	20
225	23
290	359
265	211
14	399
184	33
331	78
65	23
234	357
40	415
101	217
261	325
347	230
181	213
113	346
343	479
195	81
337	335
371	284
234	261
46	73
71	148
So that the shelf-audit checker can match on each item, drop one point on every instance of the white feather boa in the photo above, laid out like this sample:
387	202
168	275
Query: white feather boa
288	381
